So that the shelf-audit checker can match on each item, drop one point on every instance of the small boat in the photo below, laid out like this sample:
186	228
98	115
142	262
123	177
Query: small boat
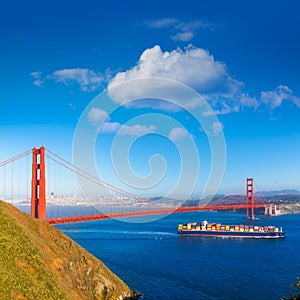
220	230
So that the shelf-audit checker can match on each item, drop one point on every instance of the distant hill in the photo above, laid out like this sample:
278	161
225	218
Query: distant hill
277	193
37	261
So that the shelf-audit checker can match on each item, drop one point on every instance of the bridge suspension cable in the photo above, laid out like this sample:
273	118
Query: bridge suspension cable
12	159
15	181
80	172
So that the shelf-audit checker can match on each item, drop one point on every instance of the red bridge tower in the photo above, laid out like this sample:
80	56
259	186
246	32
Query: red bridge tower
38	187
249	199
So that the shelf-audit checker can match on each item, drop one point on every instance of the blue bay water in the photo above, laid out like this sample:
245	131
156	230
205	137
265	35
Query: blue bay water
153	259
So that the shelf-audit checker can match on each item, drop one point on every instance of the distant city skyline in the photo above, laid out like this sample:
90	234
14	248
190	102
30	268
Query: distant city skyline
241	57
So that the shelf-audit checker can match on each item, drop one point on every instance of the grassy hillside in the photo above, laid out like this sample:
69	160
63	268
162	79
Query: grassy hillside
37	261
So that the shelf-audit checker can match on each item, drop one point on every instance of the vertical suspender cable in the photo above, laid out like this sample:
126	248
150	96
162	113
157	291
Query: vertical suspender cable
27	184
12	181
4	182
20	176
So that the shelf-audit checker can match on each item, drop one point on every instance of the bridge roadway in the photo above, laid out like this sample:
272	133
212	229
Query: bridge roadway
87	218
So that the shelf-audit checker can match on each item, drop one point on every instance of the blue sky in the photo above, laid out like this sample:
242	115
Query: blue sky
242	56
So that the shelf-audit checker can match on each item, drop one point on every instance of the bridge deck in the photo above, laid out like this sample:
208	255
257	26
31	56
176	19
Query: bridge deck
87	218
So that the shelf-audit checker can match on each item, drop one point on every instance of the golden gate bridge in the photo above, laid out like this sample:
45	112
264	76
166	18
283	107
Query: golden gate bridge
45	185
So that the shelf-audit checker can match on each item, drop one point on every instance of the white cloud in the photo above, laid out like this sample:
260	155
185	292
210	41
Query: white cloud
273	99
110	127
88	80
97	115
178	134
182	36
180	30
114	127
187	31
225	109
137	130
37	76
248	101
216	128
193	66
161	23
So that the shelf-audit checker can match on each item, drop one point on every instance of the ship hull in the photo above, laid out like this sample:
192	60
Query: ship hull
269	235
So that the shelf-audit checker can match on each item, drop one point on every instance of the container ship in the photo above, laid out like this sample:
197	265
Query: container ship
239	231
